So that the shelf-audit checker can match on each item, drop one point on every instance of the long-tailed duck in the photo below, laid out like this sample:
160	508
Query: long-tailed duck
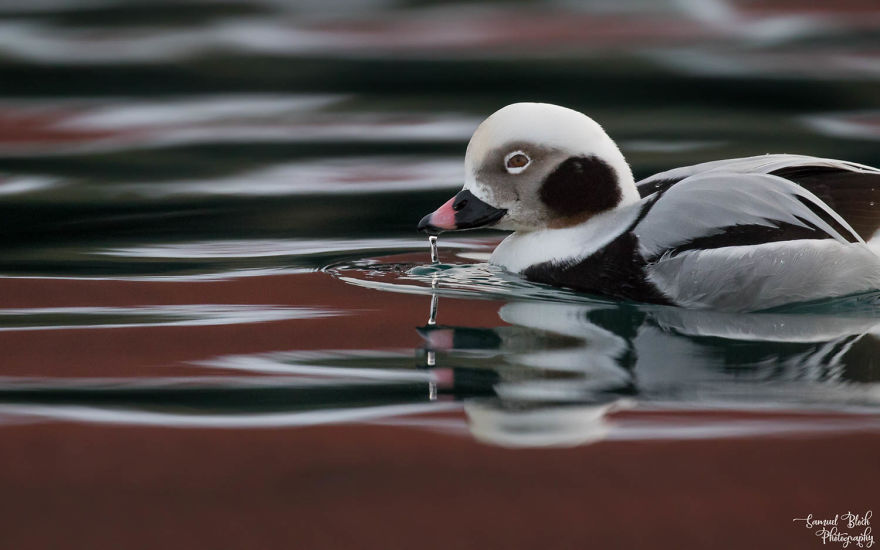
738	234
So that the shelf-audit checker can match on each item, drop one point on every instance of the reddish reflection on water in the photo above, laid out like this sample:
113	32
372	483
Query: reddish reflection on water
384	487
368	320
375	485
180	366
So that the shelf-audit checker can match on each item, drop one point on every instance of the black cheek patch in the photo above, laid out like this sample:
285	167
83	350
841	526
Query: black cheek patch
580	186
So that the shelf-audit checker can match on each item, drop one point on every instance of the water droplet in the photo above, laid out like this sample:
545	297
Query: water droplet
432	312
435	257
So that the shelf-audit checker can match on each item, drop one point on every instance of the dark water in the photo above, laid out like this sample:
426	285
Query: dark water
216	313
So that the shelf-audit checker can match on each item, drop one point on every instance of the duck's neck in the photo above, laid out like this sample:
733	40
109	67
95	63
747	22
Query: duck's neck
523	249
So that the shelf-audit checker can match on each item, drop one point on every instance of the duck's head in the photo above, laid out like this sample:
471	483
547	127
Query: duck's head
533	166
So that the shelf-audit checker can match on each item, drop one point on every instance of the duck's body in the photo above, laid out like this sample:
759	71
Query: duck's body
738	234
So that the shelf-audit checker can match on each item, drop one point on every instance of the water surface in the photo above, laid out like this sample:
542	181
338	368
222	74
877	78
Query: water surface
217	316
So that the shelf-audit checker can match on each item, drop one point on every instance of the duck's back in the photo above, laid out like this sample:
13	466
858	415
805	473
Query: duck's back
759	232
740	234
851	190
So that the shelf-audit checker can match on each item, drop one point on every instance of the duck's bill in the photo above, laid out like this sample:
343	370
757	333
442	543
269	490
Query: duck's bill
463	211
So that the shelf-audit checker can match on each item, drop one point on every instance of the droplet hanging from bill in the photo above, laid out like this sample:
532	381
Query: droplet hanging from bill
435	257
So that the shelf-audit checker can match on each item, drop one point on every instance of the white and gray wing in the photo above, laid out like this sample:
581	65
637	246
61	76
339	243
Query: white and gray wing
720	209
760	164
750	241
851	190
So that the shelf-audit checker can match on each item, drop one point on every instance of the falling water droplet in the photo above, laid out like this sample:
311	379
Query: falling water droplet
432	312
435	257
435	299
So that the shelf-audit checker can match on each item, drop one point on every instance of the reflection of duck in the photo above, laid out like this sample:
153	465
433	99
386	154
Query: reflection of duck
551	377
612	346
739	234
545	426
580	360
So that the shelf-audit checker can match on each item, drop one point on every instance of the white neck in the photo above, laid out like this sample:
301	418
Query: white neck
523	249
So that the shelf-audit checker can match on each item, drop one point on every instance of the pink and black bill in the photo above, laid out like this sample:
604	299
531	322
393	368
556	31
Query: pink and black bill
463	211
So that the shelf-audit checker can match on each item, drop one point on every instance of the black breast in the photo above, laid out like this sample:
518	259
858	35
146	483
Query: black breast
616	271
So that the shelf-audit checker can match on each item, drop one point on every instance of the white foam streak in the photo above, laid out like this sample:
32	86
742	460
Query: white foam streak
297	363
848	125
726	429
26	184
318	177
264	420
155	316
196	110
591	429
85	126
271	248
220	276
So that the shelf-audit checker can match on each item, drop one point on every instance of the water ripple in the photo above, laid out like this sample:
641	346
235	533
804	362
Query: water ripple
65	318
260	248
318	177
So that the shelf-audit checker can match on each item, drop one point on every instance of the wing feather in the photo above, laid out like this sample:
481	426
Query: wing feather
715	207
761	164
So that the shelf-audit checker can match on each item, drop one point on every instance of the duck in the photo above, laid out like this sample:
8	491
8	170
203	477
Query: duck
742	234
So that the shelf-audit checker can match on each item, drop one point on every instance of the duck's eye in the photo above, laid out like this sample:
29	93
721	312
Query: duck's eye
516	162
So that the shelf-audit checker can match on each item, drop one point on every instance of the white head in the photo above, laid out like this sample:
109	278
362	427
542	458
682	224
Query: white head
543	165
